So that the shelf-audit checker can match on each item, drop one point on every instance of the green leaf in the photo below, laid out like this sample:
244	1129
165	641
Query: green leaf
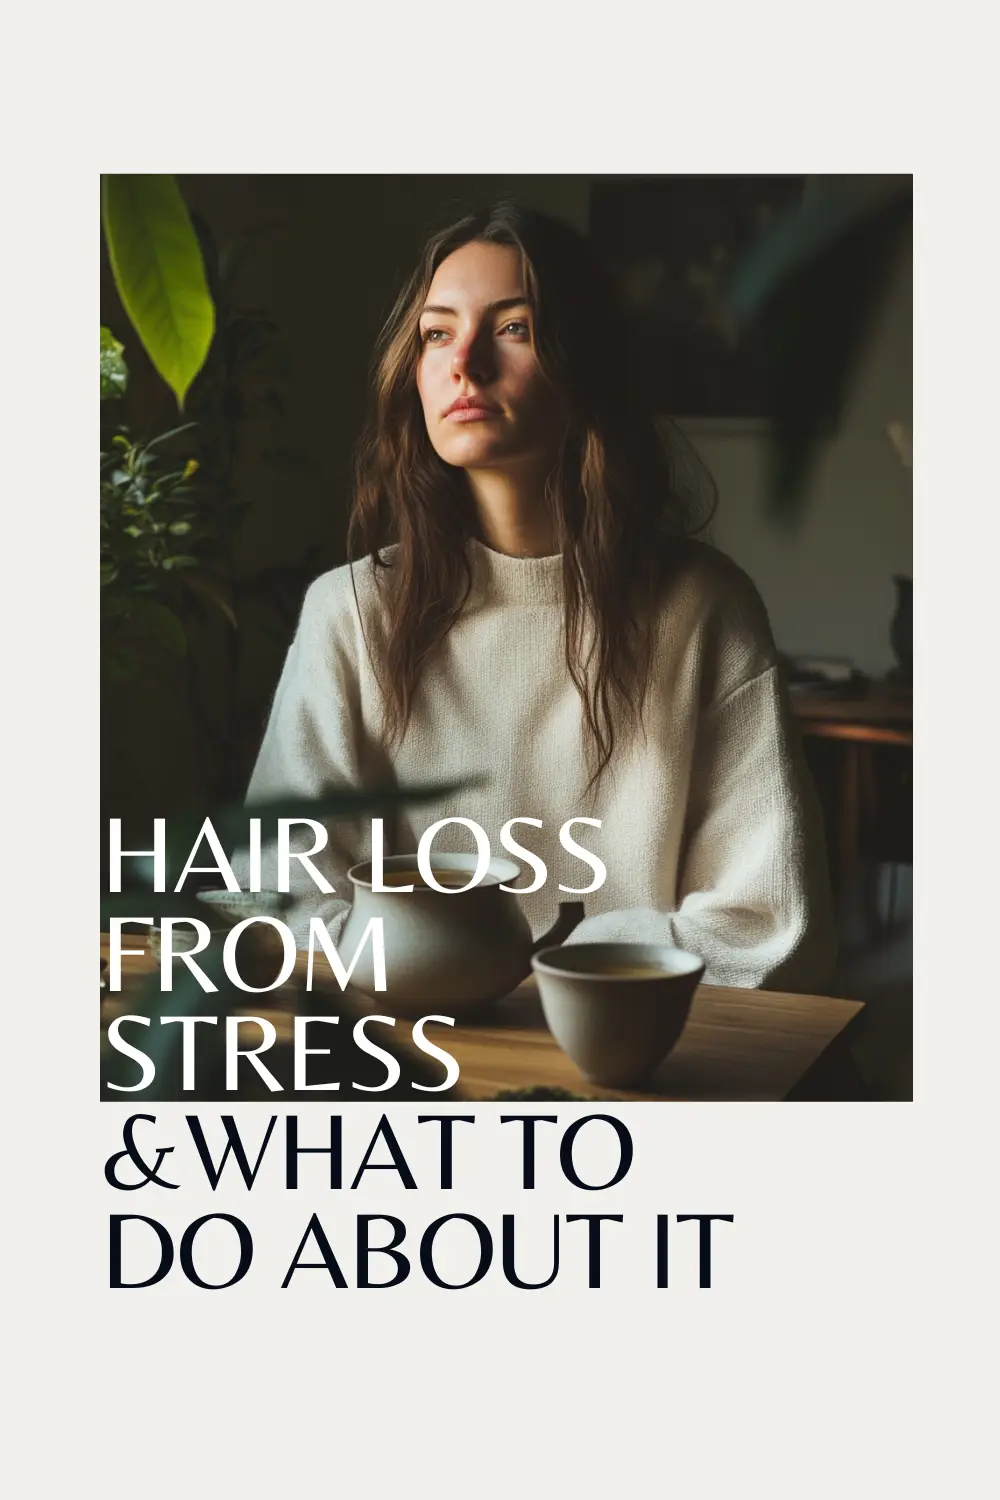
232	825
158	621
232	820
339	802
158	270
114	375
173	432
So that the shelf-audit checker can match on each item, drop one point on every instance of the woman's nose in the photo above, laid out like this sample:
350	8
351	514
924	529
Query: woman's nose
471	358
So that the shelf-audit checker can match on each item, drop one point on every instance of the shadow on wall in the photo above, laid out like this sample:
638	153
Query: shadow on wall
828	580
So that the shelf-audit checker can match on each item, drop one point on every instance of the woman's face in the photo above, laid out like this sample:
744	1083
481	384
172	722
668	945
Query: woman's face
486	402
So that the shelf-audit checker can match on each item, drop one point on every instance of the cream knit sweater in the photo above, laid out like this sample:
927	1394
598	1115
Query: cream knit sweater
708	826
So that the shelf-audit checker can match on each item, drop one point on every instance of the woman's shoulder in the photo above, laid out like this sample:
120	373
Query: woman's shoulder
708	581
340	617
348	592
711	602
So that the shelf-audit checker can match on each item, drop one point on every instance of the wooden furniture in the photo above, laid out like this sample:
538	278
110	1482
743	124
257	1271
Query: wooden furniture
738	1044
878	702
877	715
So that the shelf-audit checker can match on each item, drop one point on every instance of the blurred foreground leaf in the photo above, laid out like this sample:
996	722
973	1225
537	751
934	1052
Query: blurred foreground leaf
232	820
232	825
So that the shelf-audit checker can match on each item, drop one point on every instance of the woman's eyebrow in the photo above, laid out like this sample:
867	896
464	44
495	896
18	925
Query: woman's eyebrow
501	306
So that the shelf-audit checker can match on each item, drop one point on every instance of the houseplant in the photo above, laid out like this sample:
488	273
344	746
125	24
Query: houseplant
212	633
166	538
151	532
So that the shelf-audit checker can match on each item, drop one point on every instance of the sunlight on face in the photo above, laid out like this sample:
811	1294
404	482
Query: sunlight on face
485	400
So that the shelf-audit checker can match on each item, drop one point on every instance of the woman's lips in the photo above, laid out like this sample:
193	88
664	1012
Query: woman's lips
472	414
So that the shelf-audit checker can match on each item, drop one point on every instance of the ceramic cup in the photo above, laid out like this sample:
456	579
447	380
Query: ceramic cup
616	1026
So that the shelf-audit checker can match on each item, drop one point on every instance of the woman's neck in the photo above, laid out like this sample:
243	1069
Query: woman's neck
514	515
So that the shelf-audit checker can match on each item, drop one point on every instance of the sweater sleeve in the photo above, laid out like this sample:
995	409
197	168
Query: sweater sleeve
753	896
311	745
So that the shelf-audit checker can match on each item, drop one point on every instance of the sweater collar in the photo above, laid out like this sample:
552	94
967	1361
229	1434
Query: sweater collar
500	579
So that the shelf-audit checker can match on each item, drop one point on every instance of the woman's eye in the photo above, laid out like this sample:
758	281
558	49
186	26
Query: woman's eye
518	328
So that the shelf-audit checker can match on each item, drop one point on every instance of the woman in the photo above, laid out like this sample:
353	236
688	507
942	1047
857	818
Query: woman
530	607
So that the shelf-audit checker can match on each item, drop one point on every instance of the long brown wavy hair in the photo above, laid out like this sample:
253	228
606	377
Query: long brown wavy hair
617	494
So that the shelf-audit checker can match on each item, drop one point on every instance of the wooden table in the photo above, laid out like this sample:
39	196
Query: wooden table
738	1044
876	705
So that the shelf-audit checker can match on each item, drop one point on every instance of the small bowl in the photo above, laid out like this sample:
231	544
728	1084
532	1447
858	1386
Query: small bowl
616	1026
225	910
236	906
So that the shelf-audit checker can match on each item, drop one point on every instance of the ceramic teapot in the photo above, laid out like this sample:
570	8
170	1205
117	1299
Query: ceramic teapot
448	951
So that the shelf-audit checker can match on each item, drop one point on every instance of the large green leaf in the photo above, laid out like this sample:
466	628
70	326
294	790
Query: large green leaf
114	375
158	270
